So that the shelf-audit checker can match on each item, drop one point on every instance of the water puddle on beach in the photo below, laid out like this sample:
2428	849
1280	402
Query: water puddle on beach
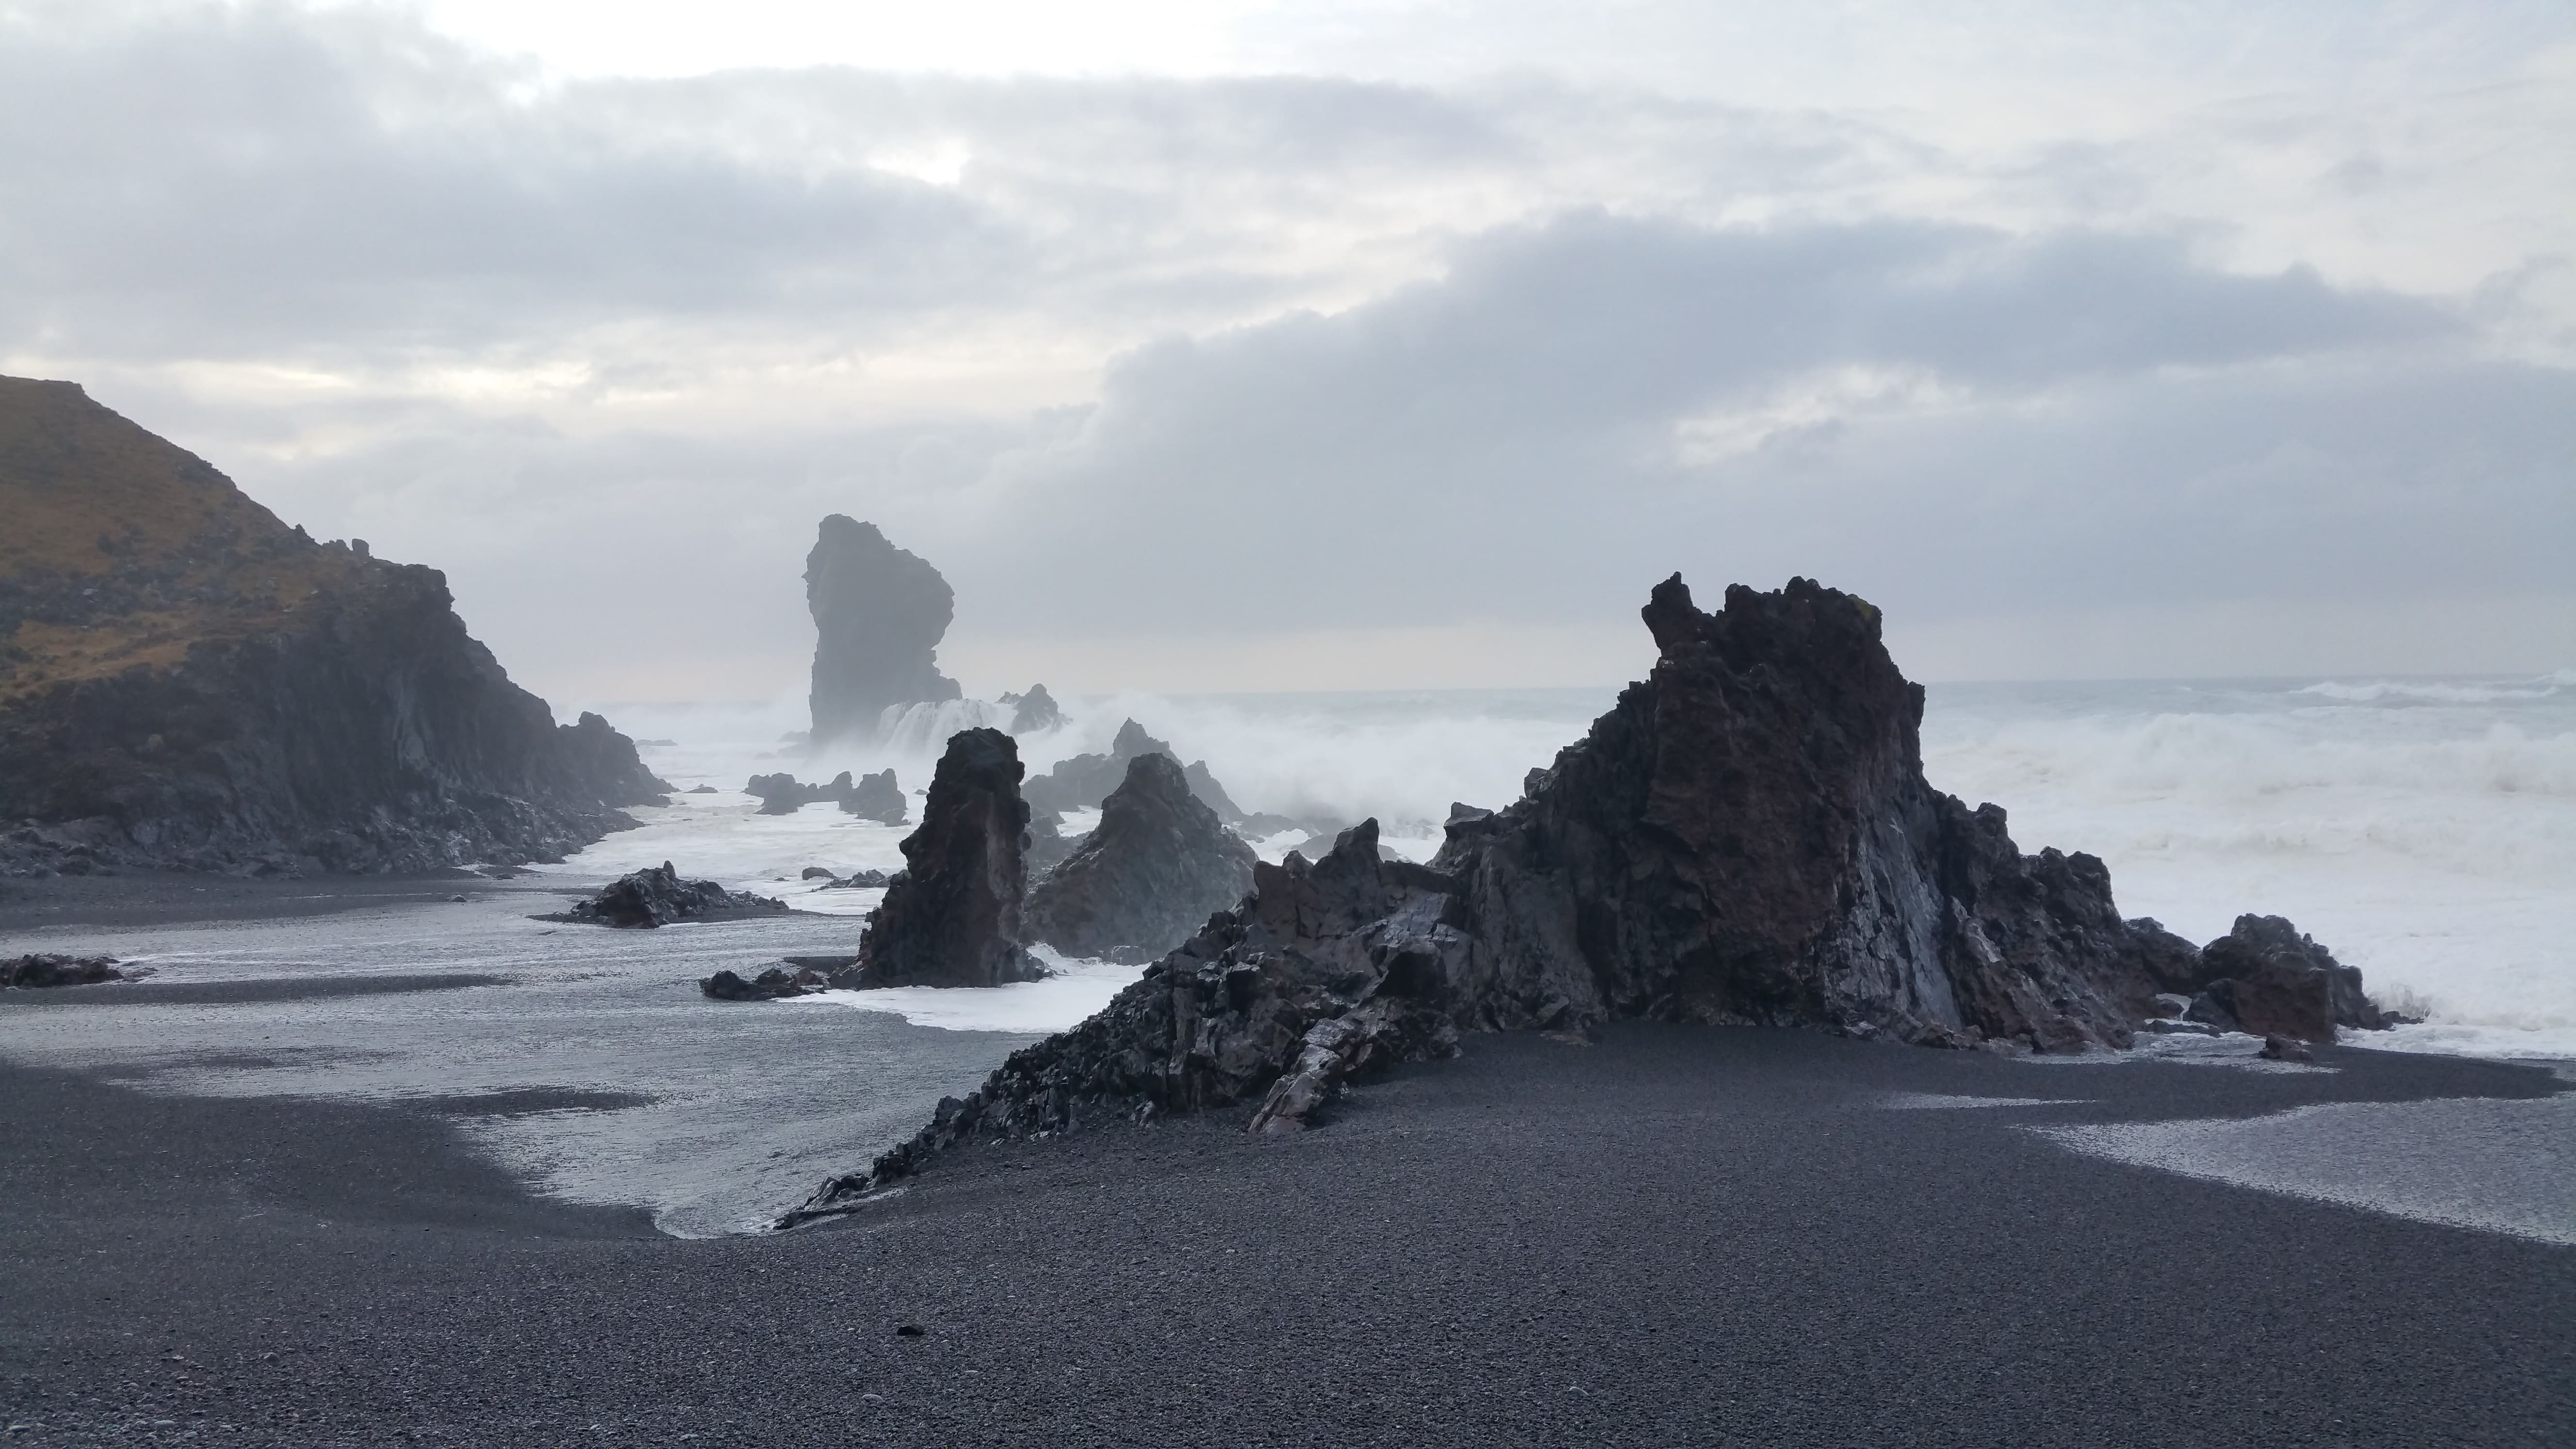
2498	1166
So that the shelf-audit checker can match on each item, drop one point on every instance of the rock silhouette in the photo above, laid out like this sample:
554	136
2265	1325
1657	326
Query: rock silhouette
879	614
656	896
1158	864
1033	711
1746	837
951	917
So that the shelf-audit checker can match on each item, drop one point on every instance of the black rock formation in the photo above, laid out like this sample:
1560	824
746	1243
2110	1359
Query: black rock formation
1747	837
1082	782
952	916
657	896
2266	978
879	614
876	797
1158	864
186	682
1043	846
53	970
1033	711
769	985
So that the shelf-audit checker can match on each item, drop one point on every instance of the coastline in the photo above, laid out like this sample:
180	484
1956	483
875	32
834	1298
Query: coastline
1705	1235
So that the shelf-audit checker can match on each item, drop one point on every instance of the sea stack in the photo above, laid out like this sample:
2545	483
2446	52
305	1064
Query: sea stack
952	918
188	683
1154	869
1746	838
879	614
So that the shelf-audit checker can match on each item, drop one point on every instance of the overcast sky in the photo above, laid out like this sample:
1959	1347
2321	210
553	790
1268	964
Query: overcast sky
1252	345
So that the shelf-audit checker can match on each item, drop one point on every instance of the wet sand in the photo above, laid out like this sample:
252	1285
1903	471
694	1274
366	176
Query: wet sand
1674	1236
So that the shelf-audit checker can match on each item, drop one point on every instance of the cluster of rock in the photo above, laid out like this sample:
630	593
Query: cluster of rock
870	797
857	880
2264	978
656	896
53	970
1033	711
1747	837
188	683
1158	863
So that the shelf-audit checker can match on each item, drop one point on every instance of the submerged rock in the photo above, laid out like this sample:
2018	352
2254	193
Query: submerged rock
879	614
1747	837
54	970
952	916
656	896
1033	711
1158	864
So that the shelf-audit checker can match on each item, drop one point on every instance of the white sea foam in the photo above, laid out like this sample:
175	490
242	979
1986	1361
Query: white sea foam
1075	989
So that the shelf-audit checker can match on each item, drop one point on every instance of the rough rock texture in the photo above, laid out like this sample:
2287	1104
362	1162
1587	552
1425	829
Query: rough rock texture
1043	846
1158	864
952	916
2266	978
54	970
879	614
1747	837
186	682
1033	711
771	985
870	797
657	896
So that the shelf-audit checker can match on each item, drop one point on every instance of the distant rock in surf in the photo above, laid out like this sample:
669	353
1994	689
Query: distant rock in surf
658	897
2266	979
879	614
1158	864
774	984
876	797
952	916
871	797
188	683
1747	837
1083	781
1033	711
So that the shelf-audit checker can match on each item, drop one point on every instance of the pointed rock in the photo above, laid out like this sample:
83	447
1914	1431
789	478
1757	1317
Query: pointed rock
1156	867
952	917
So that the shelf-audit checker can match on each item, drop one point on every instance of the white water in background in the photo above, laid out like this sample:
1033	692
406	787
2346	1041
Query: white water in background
2425	830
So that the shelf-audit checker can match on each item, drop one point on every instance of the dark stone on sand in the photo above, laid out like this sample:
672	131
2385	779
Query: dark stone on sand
2285	1049
1033	711
657	897
952	917
2265	978
1158	864
1746	838
54	970
876	797
879	614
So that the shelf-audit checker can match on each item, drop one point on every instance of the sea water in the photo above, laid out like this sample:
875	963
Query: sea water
2423	830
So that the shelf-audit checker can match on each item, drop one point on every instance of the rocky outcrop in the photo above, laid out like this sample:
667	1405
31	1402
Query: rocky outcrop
2266	978
774	984
1033	711
871	797
186	682
1083	781
657	896
879	614
1747	838
1157	865
952	916
876	797
52	970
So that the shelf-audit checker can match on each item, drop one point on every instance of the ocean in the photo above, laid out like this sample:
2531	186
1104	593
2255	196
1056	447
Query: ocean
2425	830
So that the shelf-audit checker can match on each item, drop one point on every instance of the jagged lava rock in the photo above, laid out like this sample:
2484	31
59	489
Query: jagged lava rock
186	682
2266	978
1033	711
1158	864
656	896
879	614
1747	837
951	917
1084	781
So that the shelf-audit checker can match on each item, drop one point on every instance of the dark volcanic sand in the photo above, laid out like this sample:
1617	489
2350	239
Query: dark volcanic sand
1677	1236
149	898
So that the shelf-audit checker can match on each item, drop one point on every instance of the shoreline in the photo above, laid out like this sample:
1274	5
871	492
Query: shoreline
1704	1235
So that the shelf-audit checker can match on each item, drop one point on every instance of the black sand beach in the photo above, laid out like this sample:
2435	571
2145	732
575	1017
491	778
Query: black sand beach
1674	1236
